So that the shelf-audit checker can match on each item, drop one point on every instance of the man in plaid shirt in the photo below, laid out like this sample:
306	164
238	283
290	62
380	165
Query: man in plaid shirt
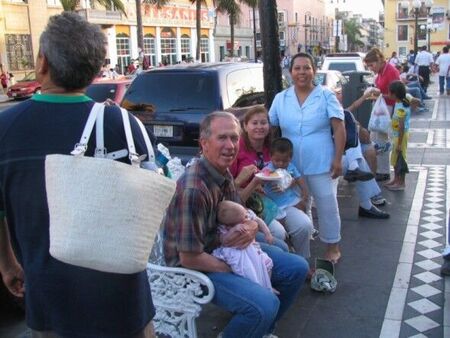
190	235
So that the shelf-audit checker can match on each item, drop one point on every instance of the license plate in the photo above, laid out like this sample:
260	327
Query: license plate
163	131
14	94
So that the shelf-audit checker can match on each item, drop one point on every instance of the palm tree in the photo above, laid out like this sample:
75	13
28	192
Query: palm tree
270	49
72	5
198	24
353	31
232	8
140	31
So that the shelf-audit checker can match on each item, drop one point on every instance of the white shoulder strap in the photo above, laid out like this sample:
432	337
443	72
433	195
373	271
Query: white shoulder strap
81	147
151	153
100	150
132	155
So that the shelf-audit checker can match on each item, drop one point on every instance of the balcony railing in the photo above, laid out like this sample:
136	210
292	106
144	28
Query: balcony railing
100	16
402	16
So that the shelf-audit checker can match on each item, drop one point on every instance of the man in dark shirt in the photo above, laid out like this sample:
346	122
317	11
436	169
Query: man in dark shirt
62	299
190	235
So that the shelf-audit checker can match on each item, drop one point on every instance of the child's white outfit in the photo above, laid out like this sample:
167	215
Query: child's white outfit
287	198
250	262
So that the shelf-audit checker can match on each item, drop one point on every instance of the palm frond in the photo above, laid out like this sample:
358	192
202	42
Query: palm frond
118	4
69	5
158	3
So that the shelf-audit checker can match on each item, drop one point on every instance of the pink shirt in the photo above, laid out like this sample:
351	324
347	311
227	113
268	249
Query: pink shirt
386	75
246	157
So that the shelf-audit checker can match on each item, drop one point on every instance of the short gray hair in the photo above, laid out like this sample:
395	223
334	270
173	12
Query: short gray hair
75	50
205	126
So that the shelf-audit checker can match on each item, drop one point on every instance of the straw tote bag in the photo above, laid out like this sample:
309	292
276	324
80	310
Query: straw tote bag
104	214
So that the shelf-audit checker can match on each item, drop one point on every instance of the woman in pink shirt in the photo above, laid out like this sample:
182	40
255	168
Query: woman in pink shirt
253	155
386	73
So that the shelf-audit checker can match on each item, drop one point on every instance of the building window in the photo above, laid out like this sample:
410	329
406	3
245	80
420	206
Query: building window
247	52
222	52
19	52
402	52
53	3
204	48
281	17
402	13
422	33
185	48
168	47
123	52
402	32
149	49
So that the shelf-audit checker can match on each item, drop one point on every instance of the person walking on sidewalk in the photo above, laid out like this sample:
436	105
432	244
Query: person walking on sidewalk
62	300
424	60
190	236
443	62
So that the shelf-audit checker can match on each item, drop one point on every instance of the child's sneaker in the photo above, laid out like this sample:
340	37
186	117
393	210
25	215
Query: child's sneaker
314	234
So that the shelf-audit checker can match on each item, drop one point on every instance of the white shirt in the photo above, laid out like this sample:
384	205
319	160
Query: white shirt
394	61
424	58
443	61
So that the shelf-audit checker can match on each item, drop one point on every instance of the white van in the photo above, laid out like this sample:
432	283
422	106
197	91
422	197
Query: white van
344	62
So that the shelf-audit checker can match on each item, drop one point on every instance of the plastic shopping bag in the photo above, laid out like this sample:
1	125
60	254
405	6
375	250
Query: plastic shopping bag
380	117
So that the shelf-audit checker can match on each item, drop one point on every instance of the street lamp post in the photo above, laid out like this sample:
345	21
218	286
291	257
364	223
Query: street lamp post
417	4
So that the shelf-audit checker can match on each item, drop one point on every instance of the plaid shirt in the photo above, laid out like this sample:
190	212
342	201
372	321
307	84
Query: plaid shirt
190	224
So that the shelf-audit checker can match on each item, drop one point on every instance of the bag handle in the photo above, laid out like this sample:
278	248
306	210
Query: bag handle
148	143
100	150
135	160
81	147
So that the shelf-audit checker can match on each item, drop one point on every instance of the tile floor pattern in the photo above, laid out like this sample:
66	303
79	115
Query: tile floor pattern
423	312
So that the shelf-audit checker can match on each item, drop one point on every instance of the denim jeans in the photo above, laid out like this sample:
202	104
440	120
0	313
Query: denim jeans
257	309
442	81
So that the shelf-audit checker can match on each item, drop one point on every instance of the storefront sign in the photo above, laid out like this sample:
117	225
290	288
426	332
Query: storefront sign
173	16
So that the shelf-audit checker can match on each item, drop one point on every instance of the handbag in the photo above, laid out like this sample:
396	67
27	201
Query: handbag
262	206
104	214
380	117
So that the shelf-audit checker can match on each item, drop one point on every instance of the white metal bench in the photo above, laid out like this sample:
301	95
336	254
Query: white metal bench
177	294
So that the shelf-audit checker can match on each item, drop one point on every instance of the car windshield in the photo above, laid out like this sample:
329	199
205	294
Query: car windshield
174	91
320	78
342	66
99	92
29	77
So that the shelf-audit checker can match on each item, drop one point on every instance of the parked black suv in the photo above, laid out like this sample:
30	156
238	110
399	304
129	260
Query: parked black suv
172	101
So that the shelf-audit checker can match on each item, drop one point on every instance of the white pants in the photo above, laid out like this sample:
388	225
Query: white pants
323	189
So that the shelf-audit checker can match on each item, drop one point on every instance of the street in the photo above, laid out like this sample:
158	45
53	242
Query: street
389	282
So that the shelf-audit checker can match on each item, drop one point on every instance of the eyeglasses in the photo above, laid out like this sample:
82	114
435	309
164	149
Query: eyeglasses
260	161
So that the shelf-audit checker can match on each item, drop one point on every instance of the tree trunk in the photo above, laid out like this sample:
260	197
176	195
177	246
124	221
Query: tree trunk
270	49
140	33
199	28
232	35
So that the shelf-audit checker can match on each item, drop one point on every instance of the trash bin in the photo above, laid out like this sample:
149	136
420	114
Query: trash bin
358	82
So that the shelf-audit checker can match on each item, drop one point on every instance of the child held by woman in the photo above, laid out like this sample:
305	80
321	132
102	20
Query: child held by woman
296	194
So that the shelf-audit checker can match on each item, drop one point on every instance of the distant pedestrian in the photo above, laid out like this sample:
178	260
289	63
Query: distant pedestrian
4	79
424	60
443	63
394	60
410	58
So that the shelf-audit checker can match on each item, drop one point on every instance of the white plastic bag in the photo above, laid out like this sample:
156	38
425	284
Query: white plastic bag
380	117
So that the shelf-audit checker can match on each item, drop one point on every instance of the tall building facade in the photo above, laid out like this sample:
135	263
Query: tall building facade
400	26
169	32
